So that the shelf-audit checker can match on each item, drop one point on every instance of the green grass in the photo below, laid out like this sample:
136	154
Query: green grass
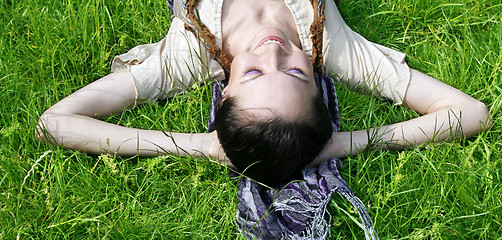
51	48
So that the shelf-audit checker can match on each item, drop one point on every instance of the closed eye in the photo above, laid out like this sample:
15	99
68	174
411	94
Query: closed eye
295	71
252	71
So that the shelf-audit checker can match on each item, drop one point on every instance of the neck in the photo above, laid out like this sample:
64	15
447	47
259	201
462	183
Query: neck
243	19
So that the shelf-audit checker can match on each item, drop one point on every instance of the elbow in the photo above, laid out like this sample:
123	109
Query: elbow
43	130
479	118
485	120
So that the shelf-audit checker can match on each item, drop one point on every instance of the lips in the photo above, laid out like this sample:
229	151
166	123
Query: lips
270	40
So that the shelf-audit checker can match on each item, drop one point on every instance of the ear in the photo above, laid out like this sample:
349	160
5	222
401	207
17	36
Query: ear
224	94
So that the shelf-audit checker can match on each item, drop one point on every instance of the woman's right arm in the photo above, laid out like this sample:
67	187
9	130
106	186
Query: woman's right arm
447	114
75	123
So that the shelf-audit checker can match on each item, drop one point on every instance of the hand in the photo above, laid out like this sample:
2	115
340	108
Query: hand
213	148
447	113
337	146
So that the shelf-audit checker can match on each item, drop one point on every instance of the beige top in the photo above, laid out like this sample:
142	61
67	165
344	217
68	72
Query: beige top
179	60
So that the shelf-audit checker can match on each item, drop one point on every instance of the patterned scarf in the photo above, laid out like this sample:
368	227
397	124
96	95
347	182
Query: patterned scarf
295	210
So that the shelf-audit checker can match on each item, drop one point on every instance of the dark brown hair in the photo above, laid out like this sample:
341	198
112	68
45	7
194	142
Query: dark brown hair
272	151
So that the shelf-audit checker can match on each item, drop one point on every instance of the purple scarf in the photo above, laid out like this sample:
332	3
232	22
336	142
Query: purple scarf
295	210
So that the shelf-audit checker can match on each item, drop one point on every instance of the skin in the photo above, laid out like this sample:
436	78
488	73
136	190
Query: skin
257	74
75	122
443	108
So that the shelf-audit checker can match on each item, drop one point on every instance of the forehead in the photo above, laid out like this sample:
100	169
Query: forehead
285	95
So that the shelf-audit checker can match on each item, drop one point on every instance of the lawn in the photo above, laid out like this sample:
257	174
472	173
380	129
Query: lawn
49	49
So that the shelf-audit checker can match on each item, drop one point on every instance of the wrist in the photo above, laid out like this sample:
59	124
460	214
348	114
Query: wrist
331	149
212	148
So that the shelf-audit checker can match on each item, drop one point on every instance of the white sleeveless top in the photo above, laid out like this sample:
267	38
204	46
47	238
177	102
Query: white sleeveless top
178	61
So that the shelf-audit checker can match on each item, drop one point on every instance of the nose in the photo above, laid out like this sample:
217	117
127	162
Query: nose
273	54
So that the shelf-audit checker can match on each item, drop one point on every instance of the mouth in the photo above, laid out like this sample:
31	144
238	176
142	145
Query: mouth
271	40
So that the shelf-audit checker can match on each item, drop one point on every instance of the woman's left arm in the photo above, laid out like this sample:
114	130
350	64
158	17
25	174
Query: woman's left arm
447	114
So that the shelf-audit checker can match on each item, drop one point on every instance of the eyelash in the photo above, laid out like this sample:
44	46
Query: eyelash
252	69
297	69
259	70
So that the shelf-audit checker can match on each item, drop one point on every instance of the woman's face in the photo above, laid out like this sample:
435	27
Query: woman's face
273	77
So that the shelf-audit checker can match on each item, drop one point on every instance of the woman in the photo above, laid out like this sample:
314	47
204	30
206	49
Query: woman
270	57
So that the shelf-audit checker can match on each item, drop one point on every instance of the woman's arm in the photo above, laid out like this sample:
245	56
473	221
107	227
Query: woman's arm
447	114
74	123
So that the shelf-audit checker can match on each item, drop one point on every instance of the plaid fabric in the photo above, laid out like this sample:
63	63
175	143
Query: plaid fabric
294	210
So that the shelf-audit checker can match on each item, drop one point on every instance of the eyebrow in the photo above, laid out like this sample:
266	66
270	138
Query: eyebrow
289	74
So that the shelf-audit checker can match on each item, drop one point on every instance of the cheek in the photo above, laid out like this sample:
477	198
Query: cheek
235	72
241	62
301	60
306	62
